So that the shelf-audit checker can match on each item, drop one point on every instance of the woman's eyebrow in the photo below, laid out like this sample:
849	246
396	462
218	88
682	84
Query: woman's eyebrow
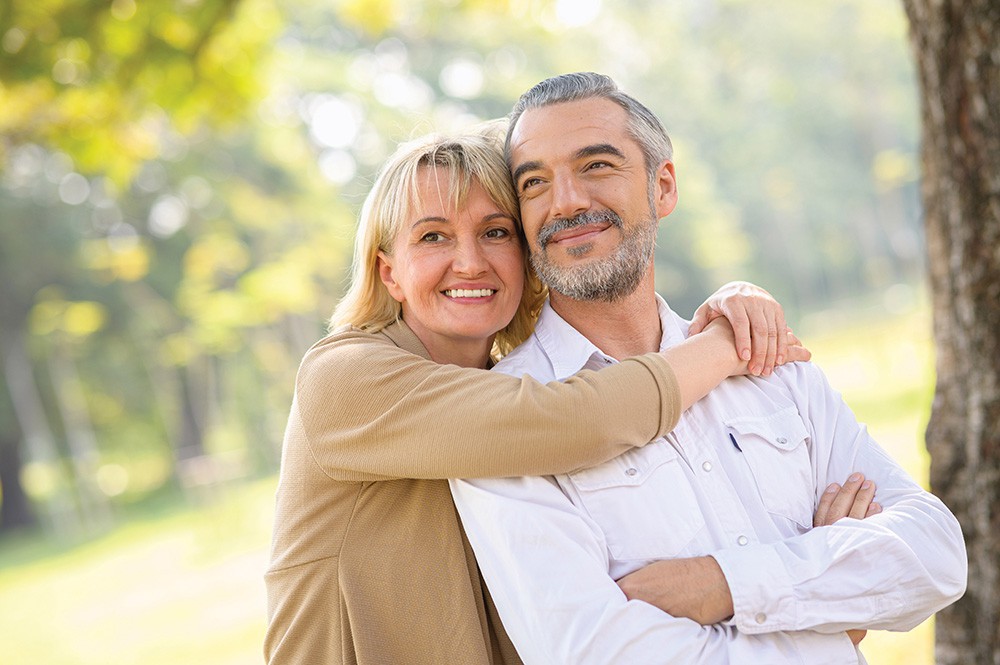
427	220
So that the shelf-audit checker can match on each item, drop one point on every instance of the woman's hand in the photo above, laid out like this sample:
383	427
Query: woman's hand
855	498
757	320
794	351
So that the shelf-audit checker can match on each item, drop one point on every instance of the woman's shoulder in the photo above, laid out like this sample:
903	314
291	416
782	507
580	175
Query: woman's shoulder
351	340
347	352
347	344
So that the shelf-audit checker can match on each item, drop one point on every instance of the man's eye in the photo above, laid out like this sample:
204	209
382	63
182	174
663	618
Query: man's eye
529	182
597	165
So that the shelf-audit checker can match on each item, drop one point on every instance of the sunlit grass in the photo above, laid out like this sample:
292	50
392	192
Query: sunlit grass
178	583
181	588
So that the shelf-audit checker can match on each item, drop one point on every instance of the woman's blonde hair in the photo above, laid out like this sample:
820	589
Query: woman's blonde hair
478	155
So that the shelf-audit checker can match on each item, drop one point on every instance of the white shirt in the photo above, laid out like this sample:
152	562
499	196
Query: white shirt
551	548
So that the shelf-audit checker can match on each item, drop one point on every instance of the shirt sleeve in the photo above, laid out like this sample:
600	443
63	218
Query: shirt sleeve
369	410
890	571
545	563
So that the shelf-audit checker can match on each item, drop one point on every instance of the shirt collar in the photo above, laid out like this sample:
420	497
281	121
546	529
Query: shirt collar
569	351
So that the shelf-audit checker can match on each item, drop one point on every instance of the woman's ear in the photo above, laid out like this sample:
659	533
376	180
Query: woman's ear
665	189
384	262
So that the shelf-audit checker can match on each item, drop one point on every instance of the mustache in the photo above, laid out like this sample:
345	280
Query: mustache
583	219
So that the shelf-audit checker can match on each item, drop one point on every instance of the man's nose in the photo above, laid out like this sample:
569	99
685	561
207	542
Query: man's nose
569	197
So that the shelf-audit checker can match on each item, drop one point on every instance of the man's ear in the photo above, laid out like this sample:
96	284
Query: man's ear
385	274
665	189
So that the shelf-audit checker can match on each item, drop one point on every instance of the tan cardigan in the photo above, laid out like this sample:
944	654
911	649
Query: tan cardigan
369	561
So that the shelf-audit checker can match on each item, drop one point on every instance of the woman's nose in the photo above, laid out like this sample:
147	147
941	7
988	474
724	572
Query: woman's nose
470	259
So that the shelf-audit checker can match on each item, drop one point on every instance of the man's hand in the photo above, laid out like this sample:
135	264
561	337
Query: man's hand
758	322
693	588
854	499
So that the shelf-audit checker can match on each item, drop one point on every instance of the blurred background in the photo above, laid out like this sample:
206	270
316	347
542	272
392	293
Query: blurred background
179	184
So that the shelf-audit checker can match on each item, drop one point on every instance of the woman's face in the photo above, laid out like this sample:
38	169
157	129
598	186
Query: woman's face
458	274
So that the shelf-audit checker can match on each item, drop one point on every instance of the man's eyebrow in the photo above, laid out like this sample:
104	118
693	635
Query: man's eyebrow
599	149
586	151
524	168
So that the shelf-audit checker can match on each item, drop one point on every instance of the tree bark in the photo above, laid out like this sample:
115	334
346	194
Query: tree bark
957	48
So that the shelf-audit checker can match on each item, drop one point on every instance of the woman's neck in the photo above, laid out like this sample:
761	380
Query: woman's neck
464	353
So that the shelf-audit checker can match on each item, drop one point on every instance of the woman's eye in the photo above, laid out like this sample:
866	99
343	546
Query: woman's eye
431	237
498	233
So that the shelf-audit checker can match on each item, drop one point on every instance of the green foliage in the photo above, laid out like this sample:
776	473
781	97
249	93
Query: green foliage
101	81
179	180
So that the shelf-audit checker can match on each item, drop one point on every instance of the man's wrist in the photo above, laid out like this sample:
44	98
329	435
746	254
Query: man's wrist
719	598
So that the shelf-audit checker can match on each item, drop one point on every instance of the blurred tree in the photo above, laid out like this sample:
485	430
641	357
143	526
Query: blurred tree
16	512
92	88
192	169
957	48
101	81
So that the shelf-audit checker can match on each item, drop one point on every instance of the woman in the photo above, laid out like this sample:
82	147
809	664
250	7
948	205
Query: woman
369	561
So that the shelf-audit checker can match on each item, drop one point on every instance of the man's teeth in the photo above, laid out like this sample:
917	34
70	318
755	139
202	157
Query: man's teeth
469	293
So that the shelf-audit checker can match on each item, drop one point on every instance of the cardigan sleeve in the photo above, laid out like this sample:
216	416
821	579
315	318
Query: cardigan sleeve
369	410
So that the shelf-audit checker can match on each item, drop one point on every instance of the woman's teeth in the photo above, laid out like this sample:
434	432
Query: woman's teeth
469	293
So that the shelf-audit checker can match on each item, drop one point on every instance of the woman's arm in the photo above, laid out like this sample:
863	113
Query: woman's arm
704	360
369	410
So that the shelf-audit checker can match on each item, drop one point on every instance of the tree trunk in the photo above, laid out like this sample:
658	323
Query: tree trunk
957	49
15	508
39	442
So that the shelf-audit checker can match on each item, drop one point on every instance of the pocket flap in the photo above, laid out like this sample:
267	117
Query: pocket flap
782	429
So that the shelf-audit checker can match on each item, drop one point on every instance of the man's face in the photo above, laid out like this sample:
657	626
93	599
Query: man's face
588	211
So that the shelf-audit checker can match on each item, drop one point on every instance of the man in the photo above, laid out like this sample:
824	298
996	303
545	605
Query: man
713	524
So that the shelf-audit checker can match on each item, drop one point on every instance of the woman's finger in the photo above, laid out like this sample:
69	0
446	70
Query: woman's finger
737	317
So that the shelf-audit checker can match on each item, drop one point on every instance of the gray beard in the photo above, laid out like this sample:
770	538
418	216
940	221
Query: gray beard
609	279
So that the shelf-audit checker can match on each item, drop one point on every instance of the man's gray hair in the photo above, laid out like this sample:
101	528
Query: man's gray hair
643	126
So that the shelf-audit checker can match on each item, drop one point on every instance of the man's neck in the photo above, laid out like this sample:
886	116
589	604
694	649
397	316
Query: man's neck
621	329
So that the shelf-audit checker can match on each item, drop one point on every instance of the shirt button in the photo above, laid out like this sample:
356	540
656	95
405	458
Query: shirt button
782	440
631	471
760	618
742	540
707	466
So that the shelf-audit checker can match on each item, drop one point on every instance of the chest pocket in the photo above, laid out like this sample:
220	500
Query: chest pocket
643	501
776	449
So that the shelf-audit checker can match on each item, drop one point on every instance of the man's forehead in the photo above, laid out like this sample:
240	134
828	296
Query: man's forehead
544	132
